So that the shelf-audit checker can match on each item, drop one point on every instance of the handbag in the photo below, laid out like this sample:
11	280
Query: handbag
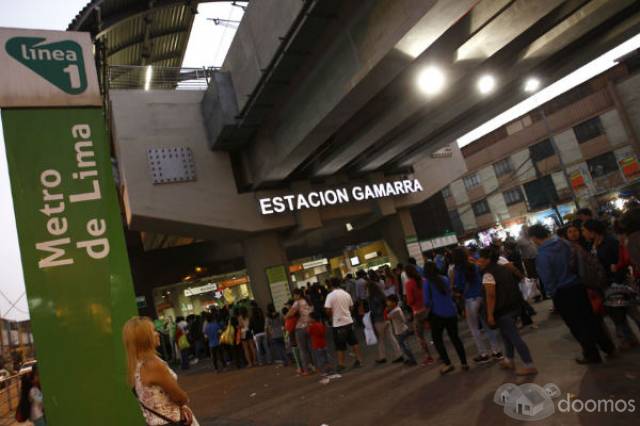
160	416
597	301
183	342
228	336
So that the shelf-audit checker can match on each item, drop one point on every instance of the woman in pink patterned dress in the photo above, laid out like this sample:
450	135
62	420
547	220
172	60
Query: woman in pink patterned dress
161	399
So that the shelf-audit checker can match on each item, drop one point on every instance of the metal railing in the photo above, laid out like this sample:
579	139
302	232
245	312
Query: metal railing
154	77
9	398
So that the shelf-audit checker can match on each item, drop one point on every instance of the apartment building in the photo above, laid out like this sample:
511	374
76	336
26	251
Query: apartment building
579	149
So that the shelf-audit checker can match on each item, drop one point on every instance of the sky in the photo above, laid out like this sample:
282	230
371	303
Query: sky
56	15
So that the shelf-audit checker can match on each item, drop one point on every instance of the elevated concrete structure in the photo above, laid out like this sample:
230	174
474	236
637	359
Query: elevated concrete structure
322	94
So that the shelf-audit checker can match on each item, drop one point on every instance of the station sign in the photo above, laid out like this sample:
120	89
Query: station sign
74	258
47	68
332	197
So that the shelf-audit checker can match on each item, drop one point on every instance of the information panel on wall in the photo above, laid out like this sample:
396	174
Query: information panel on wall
279	285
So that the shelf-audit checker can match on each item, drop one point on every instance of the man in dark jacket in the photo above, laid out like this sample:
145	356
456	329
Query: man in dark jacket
557	266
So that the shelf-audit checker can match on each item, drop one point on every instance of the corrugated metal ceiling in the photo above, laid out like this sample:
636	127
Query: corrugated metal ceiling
139	32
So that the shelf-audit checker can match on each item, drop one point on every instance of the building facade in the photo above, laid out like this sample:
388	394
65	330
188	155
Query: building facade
579	149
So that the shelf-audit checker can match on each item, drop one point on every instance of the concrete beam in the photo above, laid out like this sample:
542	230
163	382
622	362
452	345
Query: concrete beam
568	32
368	53
467	65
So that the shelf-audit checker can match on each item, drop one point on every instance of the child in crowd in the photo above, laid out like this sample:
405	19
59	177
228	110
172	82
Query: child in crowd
290	336
400	329
275	331
318	333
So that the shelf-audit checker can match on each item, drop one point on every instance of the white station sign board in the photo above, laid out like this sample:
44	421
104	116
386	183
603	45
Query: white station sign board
47	68
332	197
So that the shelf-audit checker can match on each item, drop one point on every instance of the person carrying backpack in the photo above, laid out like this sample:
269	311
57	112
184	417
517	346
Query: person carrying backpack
564	280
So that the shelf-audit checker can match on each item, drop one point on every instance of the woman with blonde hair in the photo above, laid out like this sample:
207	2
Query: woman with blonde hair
162	400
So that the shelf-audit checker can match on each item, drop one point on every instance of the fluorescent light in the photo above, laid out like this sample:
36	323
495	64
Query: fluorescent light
486	84
531	85
431	80
147	77
577	77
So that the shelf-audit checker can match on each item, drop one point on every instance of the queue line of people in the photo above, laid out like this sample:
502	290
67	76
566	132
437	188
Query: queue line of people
583	269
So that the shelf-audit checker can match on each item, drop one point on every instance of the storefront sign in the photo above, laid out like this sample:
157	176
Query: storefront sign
630	166
371	255
193	291
232	282
413	247
331	197
295	268
314	263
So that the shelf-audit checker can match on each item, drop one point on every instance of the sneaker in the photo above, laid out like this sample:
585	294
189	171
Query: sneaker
531	371
446	369
428	361
381	361
587	361
506	364
356	364
340	368
497	356
410	363
481	359
398	360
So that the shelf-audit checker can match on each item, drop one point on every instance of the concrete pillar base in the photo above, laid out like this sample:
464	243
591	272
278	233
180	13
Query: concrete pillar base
262	251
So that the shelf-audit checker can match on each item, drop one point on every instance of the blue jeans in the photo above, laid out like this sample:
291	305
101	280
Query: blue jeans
184	358
279	350
511	337
473	307
262	348
304	346
402	341
323	360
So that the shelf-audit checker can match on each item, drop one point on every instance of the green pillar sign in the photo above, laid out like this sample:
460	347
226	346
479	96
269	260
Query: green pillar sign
74	257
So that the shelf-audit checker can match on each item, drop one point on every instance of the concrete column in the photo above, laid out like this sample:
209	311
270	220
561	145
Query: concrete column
395	229
260	252
624	117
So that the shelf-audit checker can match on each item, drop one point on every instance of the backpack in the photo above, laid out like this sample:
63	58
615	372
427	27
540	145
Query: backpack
589	269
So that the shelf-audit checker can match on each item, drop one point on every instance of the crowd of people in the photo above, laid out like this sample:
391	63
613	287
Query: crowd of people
585	270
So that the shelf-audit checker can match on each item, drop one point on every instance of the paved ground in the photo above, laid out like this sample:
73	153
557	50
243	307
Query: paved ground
399	395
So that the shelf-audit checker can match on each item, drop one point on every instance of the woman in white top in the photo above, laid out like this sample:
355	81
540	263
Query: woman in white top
161	399
35	398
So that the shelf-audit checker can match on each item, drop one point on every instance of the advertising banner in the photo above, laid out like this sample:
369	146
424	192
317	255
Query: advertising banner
279	285
630	167
74	260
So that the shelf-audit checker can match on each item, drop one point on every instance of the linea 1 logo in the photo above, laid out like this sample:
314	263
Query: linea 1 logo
61	63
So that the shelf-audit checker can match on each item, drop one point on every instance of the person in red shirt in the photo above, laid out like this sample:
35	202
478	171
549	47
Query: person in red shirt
416	302
290	339
318	333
